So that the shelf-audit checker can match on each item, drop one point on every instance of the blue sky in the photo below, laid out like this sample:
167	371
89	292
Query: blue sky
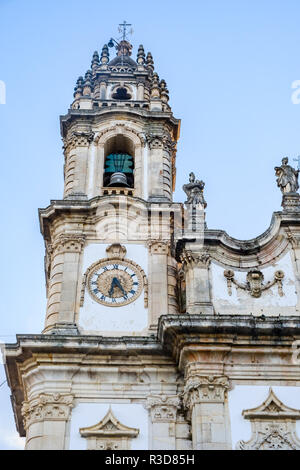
229	66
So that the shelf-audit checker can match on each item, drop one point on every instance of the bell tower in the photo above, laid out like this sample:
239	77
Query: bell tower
110	265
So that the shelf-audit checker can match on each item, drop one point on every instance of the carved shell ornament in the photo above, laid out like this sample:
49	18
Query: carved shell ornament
254	282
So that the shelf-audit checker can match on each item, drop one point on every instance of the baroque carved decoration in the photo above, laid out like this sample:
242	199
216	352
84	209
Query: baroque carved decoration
78	139
287	177
191	259
109	434
273	426
47	407
194	192
70	243
254	282
164	141
118	129
205	389
116	251
159	247
163	408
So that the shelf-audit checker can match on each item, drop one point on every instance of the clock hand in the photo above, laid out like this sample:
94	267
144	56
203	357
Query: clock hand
116	283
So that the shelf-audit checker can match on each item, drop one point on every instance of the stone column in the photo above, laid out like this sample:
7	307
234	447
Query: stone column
63	282
198	292
45	421
205	399
163	412
158	281
294	240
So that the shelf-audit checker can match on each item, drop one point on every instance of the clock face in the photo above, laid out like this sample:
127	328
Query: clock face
115	283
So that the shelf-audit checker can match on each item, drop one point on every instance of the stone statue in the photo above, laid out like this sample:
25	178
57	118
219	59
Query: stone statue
194	191
287	177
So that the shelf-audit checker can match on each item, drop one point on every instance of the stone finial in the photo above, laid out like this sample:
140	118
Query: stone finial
141	55
150	62
87	85
104	59
287	177
78	88
194	192
164	92
95	60
155	90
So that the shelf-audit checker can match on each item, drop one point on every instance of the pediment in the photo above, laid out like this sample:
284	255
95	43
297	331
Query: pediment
272	407
110	427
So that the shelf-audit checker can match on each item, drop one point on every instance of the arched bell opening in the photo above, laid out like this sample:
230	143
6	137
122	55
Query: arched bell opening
119	162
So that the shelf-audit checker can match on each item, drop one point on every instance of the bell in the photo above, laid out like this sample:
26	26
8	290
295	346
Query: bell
118	179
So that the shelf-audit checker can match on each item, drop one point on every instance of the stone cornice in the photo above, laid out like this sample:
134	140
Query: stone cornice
247	254
94	115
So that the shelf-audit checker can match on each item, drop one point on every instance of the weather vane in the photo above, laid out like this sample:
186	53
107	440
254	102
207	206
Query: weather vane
122	29
297	159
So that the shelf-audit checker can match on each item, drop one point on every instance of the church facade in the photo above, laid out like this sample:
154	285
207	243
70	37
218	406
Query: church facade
159	333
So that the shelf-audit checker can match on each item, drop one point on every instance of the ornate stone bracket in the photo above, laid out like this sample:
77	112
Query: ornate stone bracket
109	434
163	408
50	407
273	426
254	284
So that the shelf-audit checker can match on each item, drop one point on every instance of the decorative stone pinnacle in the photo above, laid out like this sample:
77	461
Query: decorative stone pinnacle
104	59
150	62
164	92
95	60
141	55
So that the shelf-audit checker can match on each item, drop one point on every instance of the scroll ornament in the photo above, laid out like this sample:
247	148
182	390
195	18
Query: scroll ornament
254	282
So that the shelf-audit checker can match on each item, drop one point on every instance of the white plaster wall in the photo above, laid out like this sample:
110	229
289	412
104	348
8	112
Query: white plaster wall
88	414
242	302
128	319
247	397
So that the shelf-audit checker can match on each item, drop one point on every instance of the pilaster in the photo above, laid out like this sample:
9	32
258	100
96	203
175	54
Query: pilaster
76	152
163	412
205	400
158	280
45	420
198	293
64	275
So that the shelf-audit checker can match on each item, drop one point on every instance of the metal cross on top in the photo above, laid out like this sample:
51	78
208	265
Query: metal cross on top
123	29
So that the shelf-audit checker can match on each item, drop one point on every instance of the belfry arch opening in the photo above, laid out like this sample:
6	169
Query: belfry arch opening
118	162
